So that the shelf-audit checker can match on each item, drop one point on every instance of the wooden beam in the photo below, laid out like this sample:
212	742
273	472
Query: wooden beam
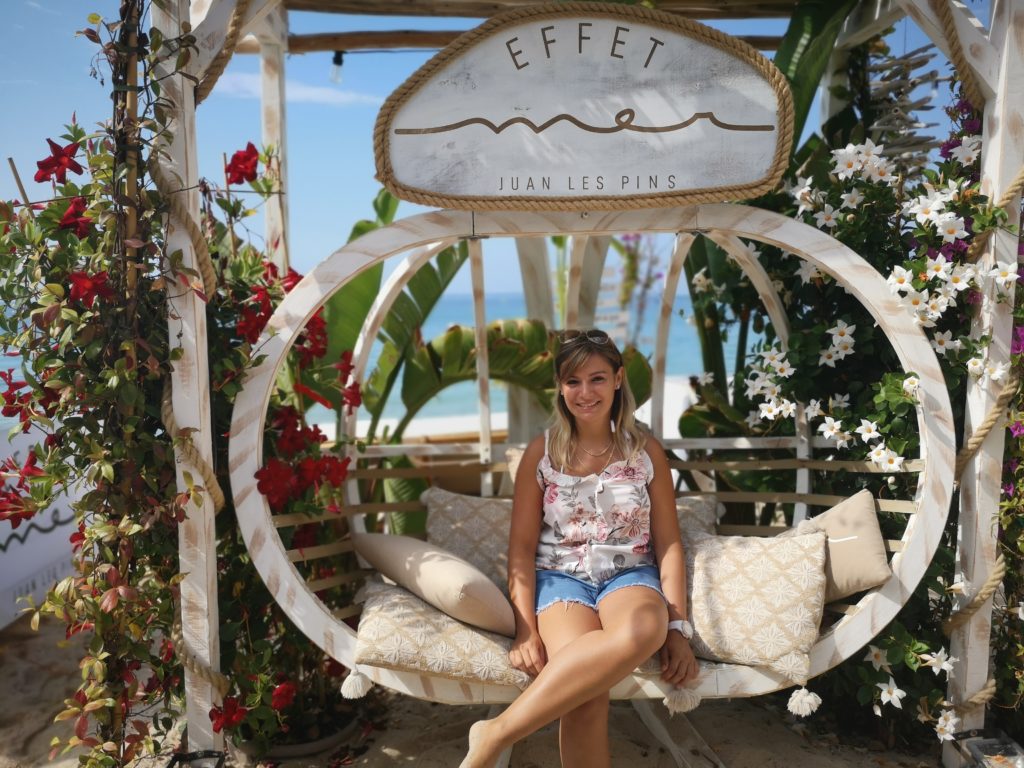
210	26
273	36
867	20
411	38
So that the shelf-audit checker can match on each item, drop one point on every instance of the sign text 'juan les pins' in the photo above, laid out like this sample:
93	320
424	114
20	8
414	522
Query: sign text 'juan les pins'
586	106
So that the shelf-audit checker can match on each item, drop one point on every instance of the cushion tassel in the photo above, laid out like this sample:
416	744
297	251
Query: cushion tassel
682	700
803	702
356	685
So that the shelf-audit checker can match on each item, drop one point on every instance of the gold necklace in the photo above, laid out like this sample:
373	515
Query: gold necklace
602	452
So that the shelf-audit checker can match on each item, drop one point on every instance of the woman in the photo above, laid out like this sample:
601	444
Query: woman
596	569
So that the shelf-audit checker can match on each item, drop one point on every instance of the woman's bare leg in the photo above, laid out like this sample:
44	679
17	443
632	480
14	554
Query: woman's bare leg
634	622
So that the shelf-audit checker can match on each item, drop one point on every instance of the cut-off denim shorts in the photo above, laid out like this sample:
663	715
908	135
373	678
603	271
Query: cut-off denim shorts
558	587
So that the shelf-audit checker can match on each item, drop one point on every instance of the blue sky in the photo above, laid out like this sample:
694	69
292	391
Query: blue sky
46	77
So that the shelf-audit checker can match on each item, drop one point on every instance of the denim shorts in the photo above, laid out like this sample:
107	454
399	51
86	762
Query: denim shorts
559	587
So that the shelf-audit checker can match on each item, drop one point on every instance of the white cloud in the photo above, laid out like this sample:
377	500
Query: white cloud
40	7
246	85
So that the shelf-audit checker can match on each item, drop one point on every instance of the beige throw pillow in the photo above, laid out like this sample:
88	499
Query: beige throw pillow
756	601
472	527
856	550
698	513
442	579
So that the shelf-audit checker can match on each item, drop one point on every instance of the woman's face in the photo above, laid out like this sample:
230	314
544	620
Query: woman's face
589	391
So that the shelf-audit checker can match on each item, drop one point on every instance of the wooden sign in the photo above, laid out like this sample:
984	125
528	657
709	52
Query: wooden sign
586	106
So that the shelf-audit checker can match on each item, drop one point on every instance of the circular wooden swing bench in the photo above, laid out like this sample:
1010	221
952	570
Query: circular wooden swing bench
846	628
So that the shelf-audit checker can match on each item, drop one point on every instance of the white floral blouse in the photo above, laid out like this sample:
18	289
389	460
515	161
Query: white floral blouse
598	525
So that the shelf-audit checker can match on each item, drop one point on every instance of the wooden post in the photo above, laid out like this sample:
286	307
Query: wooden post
1002	157
191	398
526	417
272	33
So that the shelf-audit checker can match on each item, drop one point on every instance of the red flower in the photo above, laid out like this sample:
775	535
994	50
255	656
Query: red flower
283	696
344	366
316	397
334	470
290	280
305	536
352	396
230	716
77	538
295	436
255	314
87	288
308	474
277	481
74	220
243	165
312	344
60	161
14	507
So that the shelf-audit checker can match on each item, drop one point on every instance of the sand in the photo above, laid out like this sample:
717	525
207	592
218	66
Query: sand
749	733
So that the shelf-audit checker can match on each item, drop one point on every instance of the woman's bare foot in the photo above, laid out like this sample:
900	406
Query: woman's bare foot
482	752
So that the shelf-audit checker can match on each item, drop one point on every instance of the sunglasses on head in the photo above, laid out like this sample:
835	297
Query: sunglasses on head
592	335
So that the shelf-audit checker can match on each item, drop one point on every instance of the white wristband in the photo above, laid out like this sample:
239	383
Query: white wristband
683	627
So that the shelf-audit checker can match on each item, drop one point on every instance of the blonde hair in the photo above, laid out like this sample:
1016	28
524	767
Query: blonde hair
628	437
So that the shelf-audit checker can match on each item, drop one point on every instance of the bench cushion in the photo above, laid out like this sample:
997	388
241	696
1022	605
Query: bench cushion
756	601
472	527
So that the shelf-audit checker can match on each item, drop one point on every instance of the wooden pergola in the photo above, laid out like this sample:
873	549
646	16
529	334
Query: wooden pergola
990	55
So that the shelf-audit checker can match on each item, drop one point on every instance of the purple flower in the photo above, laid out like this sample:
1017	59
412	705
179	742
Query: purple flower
1017	345
947	148
1012	464
972	125
946	250
961	246
965	107
972	296
1017	429
1020	248
1008	489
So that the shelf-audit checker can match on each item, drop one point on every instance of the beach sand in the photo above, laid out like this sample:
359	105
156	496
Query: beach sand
36	676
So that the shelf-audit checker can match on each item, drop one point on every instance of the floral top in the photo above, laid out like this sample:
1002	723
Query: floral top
598	525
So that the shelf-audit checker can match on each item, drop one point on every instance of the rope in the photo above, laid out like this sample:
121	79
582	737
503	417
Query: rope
181	213
963	615
193	663
220	61
1016	188
188	453
944	10
982	697
978	436
692	29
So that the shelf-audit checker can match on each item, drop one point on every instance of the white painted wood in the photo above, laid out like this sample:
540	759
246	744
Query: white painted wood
210	18
660	110
272	33
693	743
867	20
1002	157
981	55
666	308
197	542
848	636
483	365
595	252
526	417
573	285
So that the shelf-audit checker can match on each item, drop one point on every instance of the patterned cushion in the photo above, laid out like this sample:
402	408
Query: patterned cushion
399	631
698	513
756	601
474	528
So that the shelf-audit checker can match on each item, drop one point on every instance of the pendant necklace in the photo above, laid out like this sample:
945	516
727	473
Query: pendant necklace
602	452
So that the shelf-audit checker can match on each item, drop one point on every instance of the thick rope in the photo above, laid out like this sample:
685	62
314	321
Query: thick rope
963	615
944	10
181	213
995	414
188	453
193	663
692	29
220	61
982	697
1016	188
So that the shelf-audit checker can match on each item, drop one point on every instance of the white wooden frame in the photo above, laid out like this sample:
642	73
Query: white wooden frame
847	636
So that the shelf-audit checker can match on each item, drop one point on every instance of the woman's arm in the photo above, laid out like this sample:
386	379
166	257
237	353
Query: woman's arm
678	664
527	651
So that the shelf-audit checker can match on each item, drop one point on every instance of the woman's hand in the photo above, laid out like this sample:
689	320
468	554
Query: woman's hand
527	653
678	664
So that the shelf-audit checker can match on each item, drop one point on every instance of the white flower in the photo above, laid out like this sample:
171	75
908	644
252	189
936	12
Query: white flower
843	348
826	217
707	377
960	586
910	384
916	300
813	410
938	267
830	427
1020	611
996	371
946	725
968	150
700	281
846	161
951	227
975	366
926	208
937	304
877	658
841	331
807	271
944	732
948	717
753	418
755	384
805	194
803	702
868	431
771	390
751	250
1005	273
877	710
891	461
828	357
769	410
787	408
878	454
843	439
772	355
838	402
939	662
784	369
961	277
900	280
891	694
868	151
852	199
879	170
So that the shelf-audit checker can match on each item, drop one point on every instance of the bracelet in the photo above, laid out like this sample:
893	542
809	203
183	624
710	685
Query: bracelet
683	627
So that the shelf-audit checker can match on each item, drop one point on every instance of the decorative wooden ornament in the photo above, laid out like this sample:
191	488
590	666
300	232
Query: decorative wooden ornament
586	106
